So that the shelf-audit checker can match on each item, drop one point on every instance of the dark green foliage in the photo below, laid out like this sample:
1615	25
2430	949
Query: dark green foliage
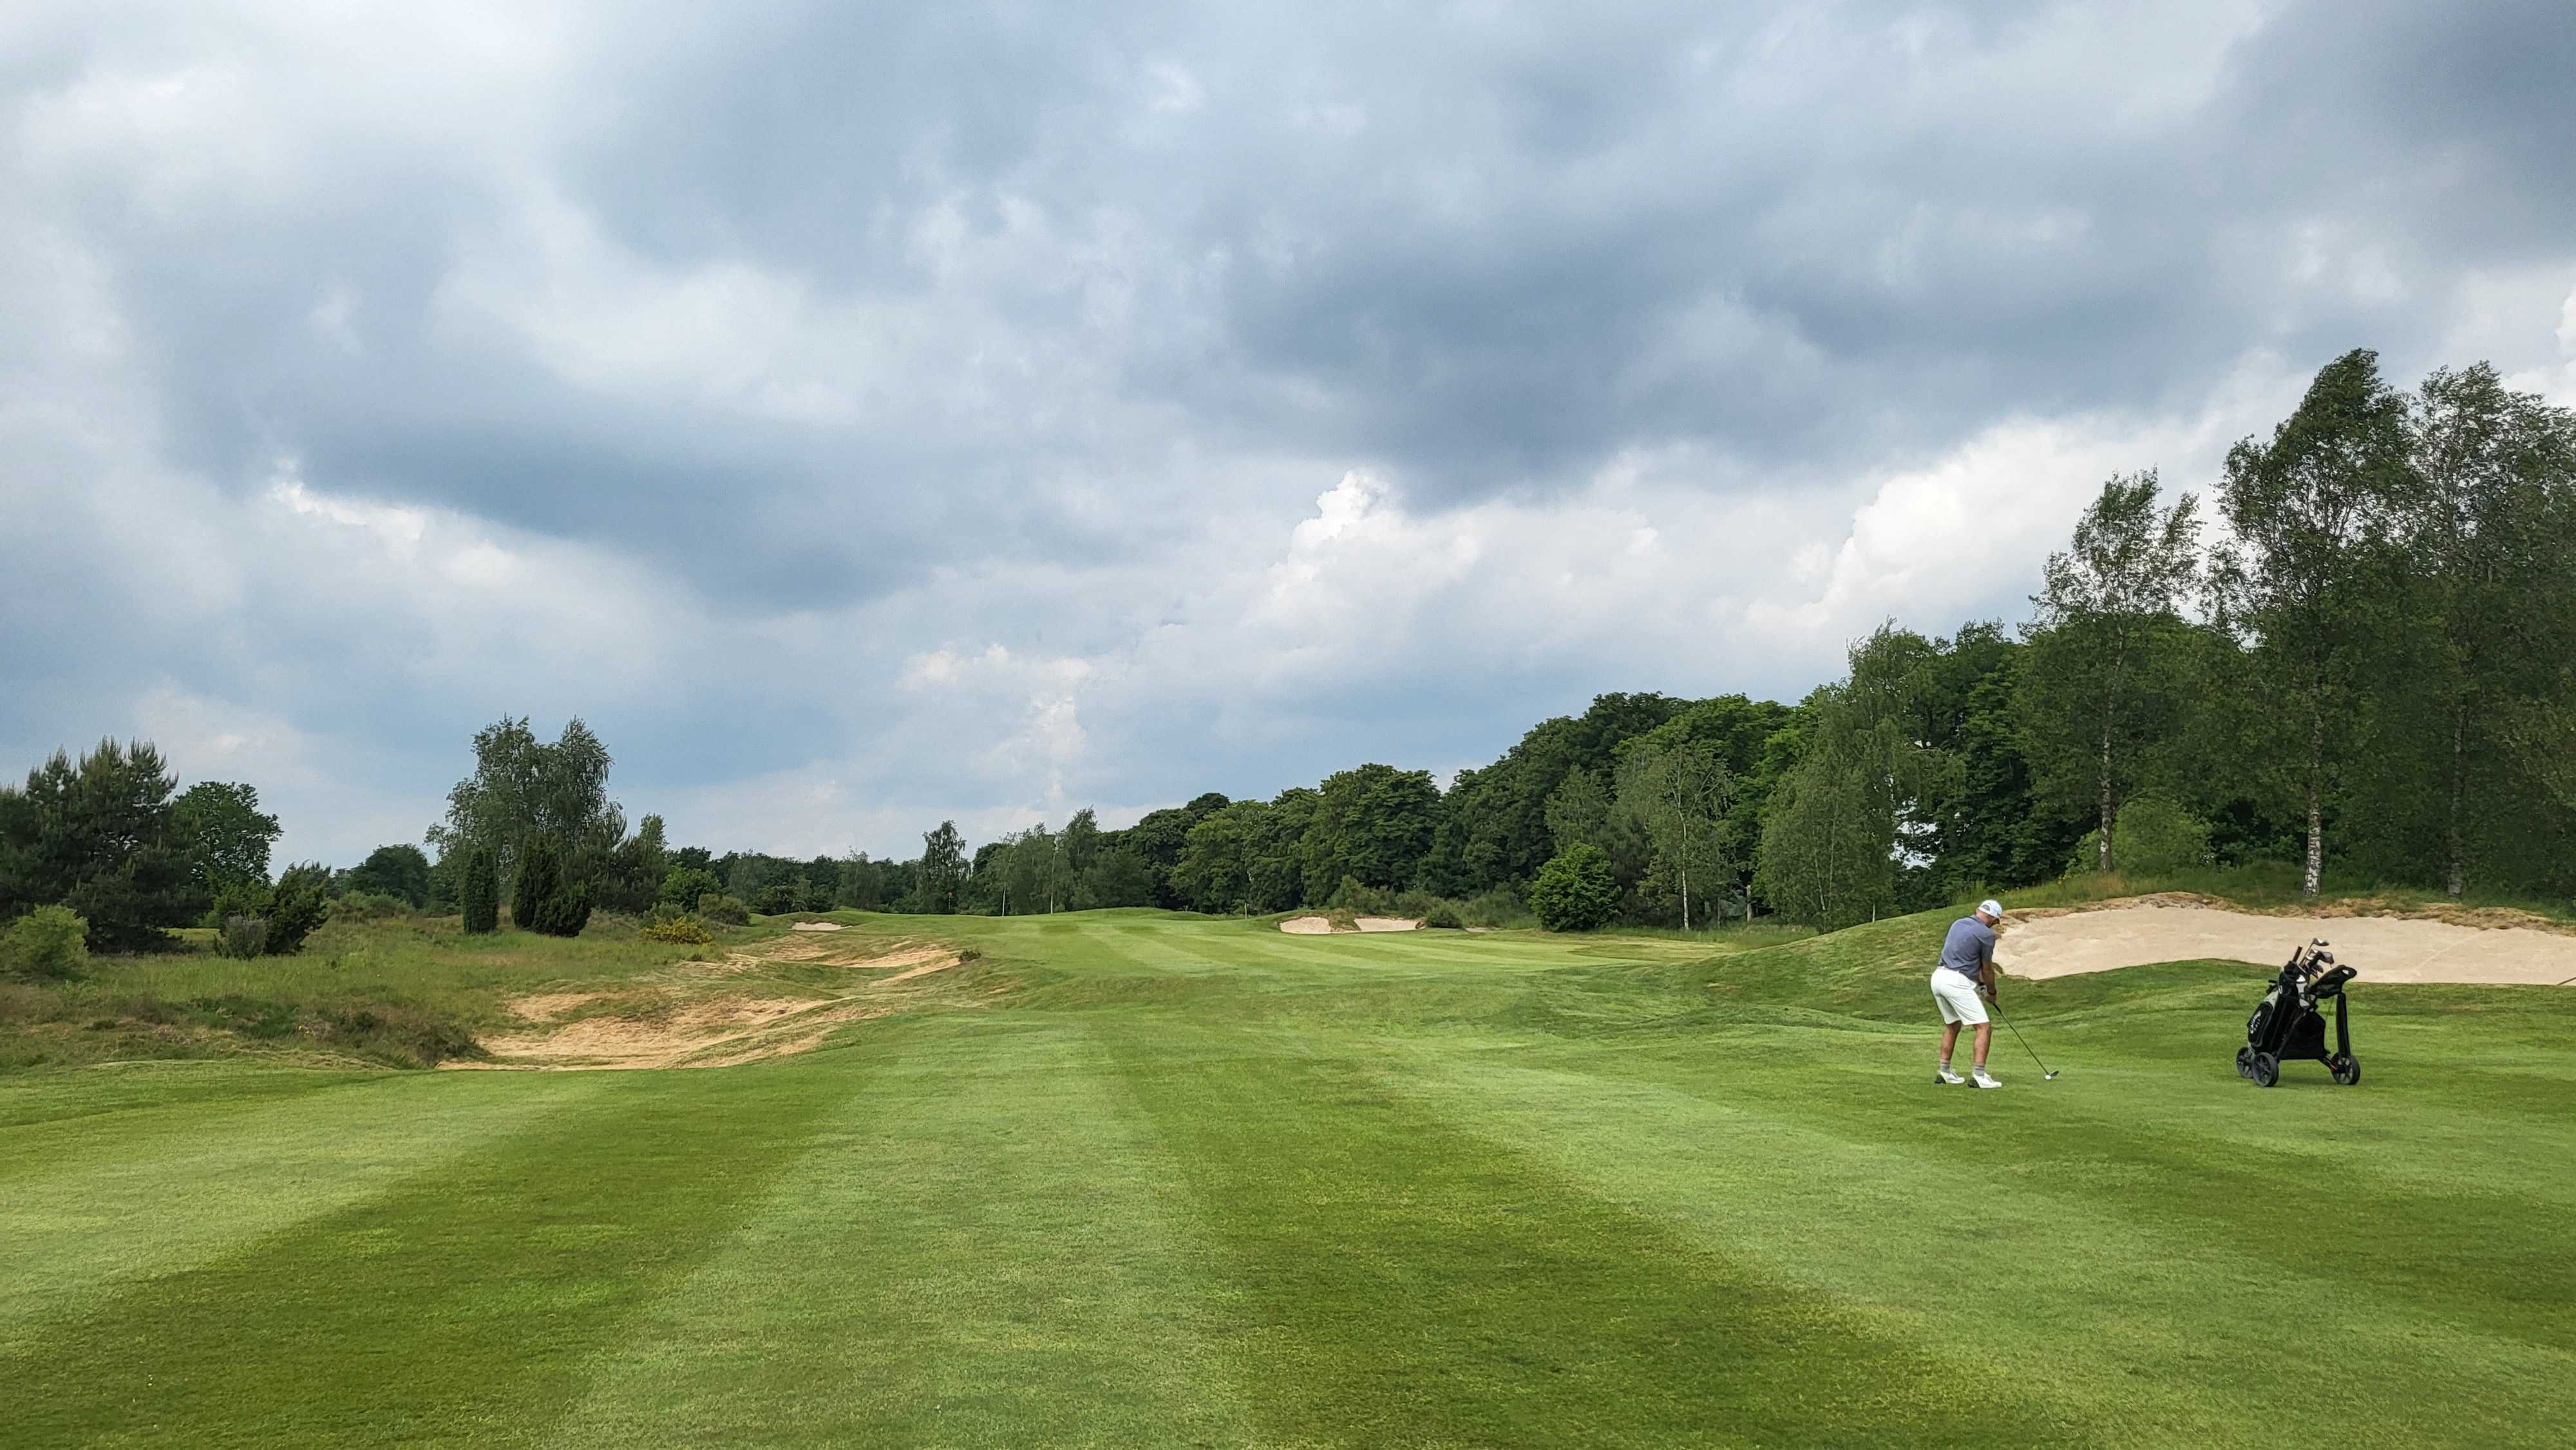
49	944
723	910
780	899
542	898
1374	823
401	872
1575	891
97	836
685	884
522	787
1443	917
479	891
224	834
300	902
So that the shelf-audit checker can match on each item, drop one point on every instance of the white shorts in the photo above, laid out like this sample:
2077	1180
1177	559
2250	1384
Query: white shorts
1958	997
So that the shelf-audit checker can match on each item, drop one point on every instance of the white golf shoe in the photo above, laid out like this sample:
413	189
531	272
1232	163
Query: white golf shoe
1985	1080
1946	1075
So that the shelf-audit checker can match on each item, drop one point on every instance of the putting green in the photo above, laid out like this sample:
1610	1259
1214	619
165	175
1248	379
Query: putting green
1189	1182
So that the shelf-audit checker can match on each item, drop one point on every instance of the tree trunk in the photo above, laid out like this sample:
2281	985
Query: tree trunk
2316	814
2110	812
1685	875
2459	787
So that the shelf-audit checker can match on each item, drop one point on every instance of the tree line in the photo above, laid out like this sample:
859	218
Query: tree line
2355	653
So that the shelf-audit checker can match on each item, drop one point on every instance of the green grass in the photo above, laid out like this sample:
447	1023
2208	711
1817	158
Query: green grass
1192	1181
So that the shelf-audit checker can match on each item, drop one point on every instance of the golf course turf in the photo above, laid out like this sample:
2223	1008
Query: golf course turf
1168	1180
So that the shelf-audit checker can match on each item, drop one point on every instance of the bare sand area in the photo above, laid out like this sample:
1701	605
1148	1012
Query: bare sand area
2133	933
1321	925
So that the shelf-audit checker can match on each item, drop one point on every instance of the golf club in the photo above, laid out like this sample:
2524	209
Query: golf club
2044	1074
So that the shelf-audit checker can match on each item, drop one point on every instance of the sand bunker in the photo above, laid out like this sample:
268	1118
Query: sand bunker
2380	948
816	926
672	1022
1323	925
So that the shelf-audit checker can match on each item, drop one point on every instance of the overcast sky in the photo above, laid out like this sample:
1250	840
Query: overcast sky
868	415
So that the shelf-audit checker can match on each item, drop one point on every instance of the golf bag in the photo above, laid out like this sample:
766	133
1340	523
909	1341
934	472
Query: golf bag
2290	1021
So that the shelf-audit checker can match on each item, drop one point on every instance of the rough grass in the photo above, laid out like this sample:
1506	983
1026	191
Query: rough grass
1197	1182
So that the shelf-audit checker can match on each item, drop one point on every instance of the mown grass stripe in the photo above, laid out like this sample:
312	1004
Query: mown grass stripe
1398	1280
976	1250
457	1309
112	1208
2177	1339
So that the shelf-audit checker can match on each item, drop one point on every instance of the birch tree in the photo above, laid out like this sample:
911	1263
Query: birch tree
2303	575
2097	689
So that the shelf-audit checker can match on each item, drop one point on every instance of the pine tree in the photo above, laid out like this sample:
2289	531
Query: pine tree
480	892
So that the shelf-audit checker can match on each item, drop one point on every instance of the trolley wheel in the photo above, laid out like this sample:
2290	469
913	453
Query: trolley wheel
2267	1069
2245	1062
2347	1070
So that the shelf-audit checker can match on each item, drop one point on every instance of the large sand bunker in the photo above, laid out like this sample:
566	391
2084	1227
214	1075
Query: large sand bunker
685	1019
2380	948
1323	925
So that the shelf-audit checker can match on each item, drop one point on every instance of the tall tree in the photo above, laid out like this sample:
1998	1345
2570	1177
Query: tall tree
1579	810
942	873
97	836
2103	644
1679	796
522	785
397	871
2304	575
1372	824
478	892
224	834
2489	521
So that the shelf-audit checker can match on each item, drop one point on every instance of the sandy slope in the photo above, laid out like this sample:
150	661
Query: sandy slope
2380	948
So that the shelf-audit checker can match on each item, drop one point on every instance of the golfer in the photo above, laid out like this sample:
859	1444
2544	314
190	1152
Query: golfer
1967	970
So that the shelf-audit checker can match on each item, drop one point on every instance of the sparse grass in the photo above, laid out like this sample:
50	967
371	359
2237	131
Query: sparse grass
1194	1181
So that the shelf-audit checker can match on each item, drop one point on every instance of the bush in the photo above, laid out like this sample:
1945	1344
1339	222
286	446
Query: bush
1501	906
241	938
478	895
543	899
298	904
368	906
1576	891
50	943
1443	917
683	885
2156	837
1359	899
682	929
779	899
723	910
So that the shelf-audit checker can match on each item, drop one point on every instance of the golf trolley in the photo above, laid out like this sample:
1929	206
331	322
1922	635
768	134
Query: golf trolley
2290	1021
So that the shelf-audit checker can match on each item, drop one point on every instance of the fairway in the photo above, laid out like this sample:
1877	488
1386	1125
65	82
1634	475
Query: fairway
1168	1180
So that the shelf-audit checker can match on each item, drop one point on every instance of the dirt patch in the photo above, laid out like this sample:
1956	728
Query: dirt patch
940	962
547	1006
2381	946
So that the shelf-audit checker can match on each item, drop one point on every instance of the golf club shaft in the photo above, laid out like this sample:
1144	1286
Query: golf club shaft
2024	1041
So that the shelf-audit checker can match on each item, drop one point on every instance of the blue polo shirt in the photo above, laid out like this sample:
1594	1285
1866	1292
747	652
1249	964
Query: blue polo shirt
1969	946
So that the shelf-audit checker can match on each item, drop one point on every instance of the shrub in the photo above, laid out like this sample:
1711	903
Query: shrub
723	910
300	902
478	895
1501	906
1443	917
1576	891
1359	899
778	899
2156	837
682	929
542	899
241	937
50	943
682	887
367	906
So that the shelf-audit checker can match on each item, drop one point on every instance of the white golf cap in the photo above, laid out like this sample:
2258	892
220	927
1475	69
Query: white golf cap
1991	907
